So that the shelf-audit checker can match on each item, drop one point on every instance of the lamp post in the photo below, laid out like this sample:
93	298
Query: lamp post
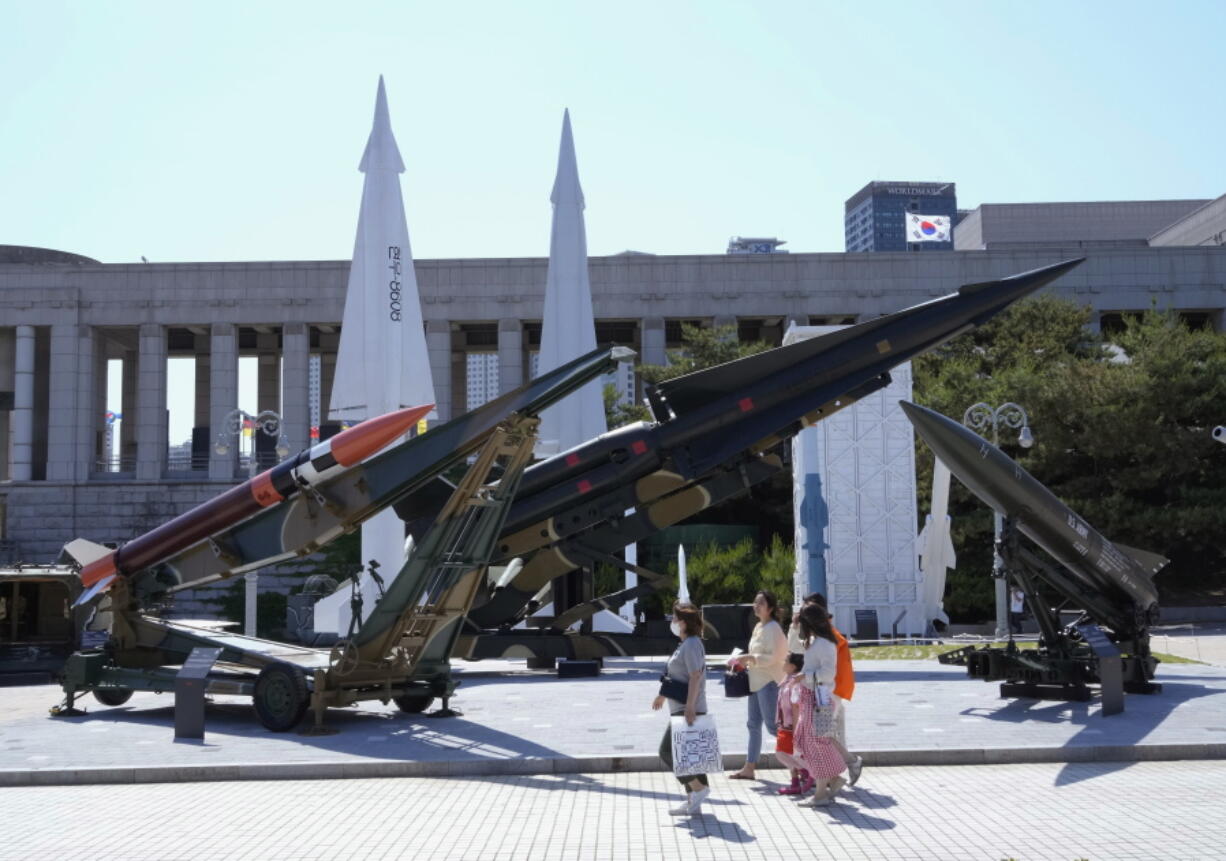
980	417
266	422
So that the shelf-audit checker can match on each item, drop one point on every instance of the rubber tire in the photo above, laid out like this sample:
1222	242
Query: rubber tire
414	704
281	697
112	696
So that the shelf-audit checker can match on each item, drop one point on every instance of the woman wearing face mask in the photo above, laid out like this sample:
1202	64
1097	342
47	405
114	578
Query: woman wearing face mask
688	667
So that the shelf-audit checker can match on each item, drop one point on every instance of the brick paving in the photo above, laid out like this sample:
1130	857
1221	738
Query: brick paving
1026	812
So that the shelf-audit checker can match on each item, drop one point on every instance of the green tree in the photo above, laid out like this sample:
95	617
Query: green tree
733	574
702	348
1122	435
617	413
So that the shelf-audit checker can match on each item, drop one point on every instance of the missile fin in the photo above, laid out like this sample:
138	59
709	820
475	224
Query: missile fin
1151	562
83	552
99	587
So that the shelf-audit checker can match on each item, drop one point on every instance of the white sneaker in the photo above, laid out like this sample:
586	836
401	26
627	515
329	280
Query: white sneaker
854	769
697	798
682	809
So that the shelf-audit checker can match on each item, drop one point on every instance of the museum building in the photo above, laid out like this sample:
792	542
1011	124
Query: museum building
66	319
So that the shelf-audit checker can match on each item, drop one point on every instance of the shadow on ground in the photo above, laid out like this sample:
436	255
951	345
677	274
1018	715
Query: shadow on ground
1143	713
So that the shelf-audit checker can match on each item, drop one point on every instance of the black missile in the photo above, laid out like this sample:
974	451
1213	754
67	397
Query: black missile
1121	575
719	418
340	501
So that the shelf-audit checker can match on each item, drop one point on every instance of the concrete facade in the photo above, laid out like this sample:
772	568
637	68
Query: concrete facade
1124	222
1203	226
60	323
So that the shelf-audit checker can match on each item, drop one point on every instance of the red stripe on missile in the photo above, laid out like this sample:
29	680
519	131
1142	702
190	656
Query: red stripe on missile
746	404
361	441
96	570
572	460
584	486
638	447
262	490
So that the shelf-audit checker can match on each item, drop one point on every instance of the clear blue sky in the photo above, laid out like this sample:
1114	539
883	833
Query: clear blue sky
232	131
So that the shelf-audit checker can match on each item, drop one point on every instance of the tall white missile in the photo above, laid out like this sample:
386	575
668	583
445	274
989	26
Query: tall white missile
683	586
382	363
936	546
568	329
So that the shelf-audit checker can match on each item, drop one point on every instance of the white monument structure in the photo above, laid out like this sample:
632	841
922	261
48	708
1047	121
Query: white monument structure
936	546
568	329
382	363
855	512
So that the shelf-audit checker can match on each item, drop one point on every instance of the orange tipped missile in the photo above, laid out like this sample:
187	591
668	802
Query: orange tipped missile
271	487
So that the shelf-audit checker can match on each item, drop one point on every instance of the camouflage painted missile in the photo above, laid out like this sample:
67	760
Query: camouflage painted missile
339	501
1118	579
287	479
719	420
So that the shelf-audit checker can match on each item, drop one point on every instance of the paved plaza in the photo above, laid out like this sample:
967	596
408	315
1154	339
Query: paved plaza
519	722
543	768
1096	811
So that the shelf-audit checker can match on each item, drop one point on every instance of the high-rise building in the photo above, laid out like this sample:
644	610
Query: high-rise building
875	217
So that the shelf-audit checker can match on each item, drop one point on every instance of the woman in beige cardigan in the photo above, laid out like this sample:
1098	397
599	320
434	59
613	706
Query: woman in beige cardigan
768	649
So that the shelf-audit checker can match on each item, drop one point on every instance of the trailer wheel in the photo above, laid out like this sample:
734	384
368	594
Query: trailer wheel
281	696
414	704
112	696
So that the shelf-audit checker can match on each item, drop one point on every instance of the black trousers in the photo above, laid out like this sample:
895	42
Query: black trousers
666	754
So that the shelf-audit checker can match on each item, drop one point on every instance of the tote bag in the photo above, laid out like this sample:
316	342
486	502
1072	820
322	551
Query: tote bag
695	748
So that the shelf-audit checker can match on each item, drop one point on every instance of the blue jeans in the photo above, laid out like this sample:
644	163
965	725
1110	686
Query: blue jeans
761	711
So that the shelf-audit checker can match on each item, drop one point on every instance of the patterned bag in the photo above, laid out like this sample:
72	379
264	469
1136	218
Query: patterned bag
824	720
695	748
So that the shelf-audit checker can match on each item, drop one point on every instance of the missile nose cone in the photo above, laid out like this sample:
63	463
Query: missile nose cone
1005	291
921	418
941	434
361	441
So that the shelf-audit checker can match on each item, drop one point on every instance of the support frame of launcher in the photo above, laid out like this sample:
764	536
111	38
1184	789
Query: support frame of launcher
711	438
1108	588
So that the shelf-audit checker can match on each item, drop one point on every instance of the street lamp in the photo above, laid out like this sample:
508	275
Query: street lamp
266	422
980	417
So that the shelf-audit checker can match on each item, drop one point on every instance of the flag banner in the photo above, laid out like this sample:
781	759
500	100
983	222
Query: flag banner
928	228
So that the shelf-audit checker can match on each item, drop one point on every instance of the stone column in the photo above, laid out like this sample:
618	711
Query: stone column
794	320
651	336
268	373
438	345
100	405
70	431
129	410
151	430
202	436
724	321
295	389
223	397
200	415
23	405
8	342
91	389
510	355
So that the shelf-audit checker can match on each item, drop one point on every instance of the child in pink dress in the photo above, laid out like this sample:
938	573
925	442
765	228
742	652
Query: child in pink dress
787	709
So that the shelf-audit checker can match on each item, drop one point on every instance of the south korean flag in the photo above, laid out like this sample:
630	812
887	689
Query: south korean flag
927	228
